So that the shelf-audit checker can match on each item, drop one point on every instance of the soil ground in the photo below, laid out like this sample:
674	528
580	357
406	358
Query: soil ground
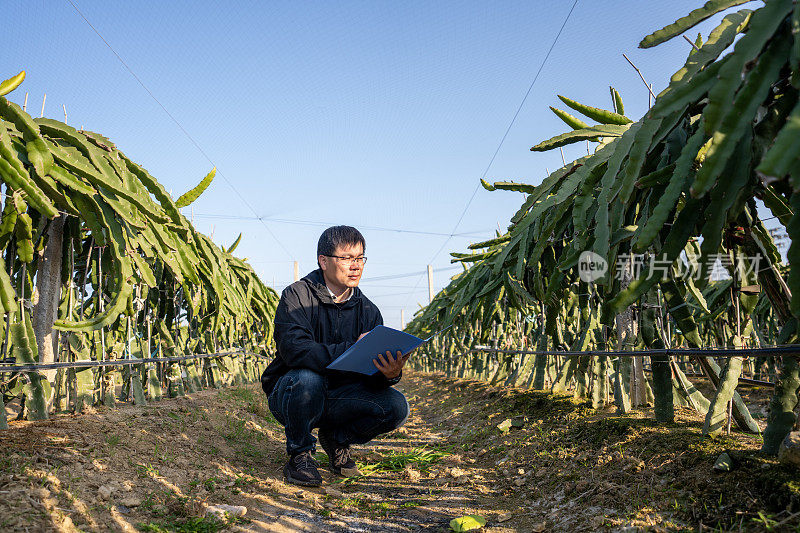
553	465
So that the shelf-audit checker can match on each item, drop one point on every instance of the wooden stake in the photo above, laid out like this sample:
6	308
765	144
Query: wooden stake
563	161
102	336
25	103
296	271
65	113
128	345
44	99
690	42
22	289
613	100
730	415
649	88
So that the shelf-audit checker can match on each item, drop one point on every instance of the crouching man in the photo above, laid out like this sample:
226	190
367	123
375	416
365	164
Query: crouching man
318	318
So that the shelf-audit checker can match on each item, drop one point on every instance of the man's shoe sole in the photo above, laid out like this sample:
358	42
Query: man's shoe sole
289	479
294	481
347	472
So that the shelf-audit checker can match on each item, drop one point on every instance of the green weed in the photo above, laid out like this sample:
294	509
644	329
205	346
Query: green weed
765	520
246	442
146	470
420	458
252	401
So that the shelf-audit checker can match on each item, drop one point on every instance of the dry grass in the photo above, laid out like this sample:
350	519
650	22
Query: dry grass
560	466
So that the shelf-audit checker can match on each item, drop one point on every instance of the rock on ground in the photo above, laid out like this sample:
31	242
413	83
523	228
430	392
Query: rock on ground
789	452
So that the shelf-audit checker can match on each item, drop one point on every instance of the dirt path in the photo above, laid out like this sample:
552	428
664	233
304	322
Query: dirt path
557	467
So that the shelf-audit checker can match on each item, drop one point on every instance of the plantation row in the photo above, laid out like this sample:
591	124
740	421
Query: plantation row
99	264
655	240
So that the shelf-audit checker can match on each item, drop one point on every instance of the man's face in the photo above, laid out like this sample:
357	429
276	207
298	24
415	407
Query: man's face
341	270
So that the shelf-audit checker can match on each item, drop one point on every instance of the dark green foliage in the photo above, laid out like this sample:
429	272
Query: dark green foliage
685	173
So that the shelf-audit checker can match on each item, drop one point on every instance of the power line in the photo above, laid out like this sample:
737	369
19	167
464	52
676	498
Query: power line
180	126
410	274
321	223
382	286
503	139
394	276
508	129
384	295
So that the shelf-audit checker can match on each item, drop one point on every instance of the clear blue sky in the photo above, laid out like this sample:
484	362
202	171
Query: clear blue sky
374	114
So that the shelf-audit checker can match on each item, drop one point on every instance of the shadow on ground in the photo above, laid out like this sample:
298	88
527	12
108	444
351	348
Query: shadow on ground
559	466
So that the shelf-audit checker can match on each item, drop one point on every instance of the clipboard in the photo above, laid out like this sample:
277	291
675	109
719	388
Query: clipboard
358	358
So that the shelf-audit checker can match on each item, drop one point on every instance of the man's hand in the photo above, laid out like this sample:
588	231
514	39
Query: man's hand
390	366
361	336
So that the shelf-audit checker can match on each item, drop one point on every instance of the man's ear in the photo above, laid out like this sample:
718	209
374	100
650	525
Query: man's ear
323	262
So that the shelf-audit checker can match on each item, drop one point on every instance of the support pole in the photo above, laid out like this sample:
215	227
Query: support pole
48	284
296	271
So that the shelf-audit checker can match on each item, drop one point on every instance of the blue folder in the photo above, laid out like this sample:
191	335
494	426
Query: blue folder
358	358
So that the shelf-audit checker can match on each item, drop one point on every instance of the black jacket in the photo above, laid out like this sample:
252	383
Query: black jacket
311	330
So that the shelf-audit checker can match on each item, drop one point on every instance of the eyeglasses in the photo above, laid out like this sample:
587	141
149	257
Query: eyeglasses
350	260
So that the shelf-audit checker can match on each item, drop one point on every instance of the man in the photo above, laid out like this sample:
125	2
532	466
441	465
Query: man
318	318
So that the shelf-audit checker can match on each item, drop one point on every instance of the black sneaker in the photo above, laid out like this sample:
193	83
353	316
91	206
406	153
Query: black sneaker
302	470
341	462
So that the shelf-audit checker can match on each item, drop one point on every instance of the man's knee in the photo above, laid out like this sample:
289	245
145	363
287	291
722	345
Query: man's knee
398	408
306	384
306	378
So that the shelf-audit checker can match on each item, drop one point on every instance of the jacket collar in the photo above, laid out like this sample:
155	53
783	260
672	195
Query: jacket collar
316	282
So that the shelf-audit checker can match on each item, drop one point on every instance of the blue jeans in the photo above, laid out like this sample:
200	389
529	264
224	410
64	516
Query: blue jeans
350	414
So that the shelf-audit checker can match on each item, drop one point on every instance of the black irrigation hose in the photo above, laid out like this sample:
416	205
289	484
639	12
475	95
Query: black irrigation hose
119	362
712	352
792	349
742	381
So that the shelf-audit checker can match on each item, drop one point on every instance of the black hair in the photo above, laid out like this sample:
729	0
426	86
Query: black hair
336	236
